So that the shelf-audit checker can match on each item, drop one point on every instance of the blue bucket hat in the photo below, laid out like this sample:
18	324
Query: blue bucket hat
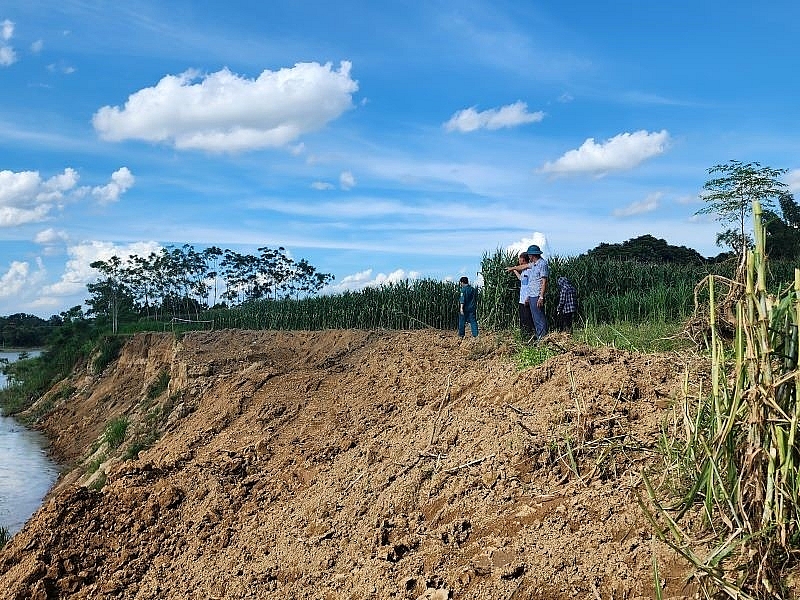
534	249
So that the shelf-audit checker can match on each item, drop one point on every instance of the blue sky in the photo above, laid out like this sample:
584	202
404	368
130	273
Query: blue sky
376	140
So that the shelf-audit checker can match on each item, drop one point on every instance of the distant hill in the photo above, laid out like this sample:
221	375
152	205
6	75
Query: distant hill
647	248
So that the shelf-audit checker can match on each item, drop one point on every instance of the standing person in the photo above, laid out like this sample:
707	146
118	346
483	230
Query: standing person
525	319
537	286
468	301
567	304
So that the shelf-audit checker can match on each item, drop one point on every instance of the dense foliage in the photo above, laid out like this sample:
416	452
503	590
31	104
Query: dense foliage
69	345
183	281
647	248
26	331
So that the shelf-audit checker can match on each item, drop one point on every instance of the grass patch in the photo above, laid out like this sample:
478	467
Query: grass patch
531	356
100	482
653	336
108	349
115	431
5	535
159	386
95	464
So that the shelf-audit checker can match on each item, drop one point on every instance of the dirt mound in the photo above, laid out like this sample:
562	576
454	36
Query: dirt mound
350	464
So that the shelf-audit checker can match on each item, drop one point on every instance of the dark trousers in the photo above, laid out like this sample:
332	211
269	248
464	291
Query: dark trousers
564	321
525	321
463	319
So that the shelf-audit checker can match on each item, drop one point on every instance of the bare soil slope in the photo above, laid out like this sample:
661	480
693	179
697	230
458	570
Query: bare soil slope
351	464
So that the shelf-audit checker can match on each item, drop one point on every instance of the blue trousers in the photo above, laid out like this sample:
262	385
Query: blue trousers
539	319
467	317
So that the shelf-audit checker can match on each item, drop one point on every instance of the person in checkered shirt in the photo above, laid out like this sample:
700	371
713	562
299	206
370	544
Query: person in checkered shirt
567	304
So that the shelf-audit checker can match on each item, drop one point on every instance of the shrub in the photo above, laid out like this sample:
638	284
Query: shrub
115	431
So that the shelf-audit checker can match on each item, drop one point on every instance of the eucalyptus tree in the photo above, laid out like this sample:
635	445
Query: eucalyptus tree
730	193
110	292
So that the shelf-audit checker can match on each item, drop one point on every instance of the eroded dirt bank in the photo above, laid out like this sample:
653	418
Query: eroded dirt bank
351	464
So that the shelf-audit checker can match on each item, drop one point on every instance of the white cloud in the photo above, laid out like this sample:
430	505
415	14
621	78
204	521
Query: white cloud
511	115
537	238
363	279
13	280
51	236
649	204
223	112
6	30
346	180
26	198
121	181
37	46
623	151
793	180
7	55
322	185
77	272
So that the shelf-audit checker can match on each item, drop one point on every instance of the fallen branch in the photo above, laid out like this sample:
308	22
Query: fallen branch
469	464
446	397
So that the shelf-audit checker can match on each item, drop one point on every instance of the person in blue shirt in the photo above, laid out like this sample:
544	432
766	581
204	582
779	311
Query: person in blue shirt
539	272
468	303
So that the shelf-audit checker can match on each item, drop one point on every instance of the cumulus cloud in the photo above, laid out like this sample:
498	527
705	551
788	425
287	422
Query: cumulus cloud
363	279
7	55
121	181
25	197
793	180
77	272
224	112
511	115
537	238
623	151
51	236
322	185
647	205
14	280
346	180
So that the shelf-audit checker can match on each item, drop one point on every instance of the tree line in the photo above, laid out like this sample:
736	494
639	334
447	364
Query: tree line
183	281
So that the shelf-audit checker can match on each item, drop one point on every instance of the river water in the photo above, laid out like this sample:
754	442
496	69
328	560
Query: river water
26	471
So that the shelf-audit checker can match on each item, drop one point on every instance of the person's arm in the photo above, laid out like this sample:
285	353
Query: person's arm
518	268
542	290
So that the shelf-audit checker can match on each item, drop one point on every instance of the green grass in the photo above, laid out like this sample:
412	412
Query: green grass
650	336
159	386
115	431
5	536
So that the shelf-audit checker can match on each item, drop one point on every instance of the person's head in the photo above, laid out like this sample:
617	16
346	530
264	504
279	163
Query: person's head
523	258
464	280
534	250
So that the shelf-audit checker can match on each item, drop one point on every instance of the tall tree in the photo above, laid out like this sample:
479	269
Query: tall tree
730	193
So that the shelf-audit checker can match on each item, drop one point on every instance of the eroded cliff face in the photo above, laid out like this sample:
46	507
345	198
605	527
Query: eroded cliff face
349	464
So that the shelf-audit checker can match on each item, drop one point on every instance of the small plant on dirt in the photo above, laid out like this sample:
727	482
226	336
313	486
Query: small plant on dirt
115	431
159	386
108	349
5	536
100	482
531	356
741	452
95	464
